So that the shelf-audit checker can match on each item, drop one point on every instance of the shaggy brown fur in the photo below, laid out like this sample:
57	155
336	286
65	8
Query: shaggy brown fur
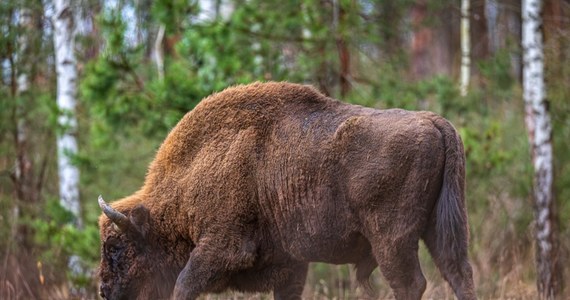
259	180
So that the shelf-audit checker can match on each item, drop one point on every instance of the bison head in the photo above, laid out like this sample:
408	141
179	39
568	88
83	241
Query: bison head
132	264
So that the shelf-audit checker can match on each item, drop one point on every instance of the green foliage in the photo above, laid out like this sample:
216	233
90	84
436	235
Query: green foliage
174	14
484	149
126	110
438	93
211	55
57	237
122	89
497	72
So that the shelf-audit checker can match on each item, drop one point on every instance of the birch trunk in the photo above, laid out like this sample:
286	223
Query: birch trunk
465	46
158	53
549	276
66	68
23	170
23	163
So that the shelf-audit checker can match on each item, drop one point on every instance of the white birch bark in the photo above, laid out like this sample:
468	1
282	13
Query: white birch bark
22	163
25	24
207	11
158	53
22	87
540	136
66	68
211	10
465	48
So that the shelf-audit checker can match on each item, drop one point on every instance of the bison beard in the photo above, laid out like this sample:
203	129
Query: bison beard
259	180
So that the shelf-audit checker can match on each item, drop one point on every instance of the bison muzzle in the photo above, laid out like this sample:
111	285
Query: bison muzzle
260	180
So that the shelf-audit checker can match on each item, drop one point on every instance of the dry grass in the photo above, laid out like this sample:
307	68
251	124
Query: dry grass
335	286
507	287
518	291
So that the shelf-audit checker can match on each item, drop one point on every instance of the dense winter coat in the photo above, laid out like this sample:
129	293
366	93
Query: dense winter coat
261	179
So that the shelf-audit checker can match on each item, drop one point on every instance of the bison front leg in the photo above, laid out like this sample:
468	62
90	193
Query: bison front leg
199	275
209	267
291	286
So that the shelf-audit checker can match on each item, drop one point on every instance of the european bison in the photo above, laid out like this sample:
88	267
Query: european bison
259	180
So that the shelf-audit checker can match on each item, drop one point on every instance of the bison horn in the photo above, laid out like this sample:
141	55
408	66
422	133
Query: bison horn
115	216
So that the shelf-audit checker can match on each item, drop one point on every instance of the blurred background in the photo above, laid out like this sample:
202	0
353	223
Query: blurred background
90	88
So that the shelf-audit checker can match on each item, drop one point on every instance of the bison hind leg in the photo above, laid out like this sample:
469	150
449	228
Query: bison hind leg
364	269
290	287
399	263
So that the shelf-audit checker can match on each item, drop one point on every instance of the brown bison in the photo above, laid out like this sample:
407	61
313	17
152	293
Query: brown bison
259	180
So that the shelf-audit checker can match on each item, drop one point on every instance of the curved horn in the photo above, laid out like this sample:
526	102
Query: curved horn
115	216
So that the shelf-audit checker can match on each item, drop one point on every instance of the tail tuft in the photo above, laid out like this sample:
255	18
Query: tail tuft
447	237
451	215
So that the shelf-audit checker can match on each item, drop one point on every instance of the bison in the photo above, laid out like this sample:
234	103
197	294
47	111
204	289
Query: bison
260	180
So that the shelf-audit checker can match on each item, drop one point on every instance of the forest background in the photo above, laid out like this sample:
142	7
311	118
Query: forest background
143	64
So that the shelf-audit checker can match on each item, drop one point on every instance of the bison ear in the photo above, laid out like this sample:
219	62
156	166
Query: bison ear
140	218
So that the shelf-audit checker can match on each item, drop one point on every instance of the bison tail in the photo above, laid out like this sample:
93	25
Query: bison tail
447	237
450	212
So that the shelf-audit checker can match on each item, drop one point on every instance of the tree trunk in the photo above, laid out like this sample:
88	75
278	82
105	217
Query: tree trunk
390	19
89	18
24	180
549	275
421	39
339	29
21	52
208	11
554	28
492	17
23	168
433	41
158	53
504	28
465	47
66	68
478	30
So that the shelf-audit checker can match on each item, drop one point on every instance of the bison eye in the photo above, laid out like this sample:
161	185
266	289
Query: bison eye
113	249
